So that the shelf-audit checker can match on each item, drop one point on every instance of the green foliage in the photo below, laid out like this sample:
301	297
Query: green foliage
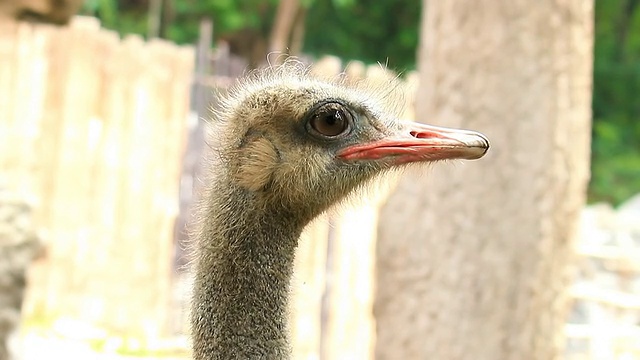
367	30
181	18
227	15
616	102
118	15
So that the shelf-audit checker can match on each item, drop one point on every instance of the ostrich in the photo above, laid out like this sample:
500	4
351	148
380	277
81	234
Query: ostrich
288	147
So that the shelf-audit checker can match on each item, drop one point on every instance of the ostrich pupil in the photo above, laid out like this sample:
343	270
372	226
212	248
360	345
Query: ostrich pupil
330	122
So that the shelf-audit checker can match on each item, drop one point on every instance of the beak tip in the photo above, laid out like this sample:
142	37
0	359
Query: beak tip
484	147
486	143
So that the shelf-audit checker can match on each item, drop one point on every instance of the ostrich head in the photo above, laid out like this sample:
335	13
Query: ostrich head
299	144
288	147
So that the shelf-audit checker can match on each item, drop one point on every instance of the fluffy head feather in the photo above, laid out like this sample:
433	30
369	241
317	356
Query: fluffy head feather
260	137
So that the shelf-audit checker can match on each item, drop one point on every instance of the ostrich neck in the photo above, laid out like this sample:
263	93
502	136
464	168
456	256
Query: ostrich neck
244	266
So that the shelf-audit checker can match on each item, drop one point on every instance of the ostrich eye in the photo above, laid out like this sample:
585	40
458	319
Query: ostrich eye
330	120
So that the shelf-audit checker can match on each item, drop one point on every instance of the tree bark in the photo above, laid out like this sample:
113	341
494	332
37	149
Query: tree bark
283	25
473	262
297	32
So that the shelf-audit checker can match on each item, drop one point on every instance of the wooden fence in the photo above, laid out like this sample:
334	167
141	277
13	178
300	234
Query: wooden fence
93	128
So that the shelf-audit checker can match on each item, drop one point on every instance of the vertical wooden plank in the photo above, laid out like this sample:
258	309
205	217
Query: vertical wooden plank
29	131
351	326
158	235
47	146
28	118
52	101
8	63
70	225
34	121
179	112
17	95
22	51
307	289
106	131
90	245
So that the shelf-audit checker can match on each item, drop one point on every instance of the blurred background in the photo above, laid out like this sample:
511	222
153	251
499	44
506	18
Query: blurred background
102	108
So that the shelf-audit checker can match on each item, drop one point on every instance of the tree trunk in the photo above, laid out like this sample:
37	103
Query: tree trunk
283	25
297	33
473	262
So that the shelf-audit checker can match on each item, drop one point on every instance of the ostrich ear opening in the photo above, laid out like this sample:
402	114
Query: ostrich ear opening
416	142
257	162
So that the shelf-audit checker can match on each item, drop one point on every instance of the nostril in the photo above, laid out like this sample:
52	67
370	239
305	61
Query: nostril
422	134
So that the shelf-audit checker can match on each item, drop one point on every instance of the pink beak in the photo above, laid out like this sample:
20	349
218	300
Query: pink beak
419	142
